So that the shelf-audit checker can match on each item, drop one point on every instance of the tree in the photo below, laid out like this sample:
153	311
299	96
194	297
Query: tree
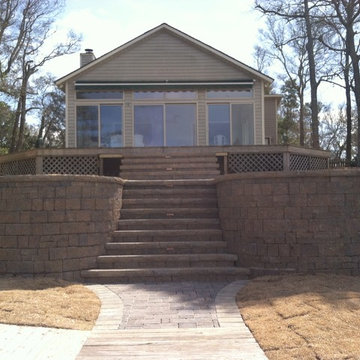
50	105
288	119
285	43
342	20
301	12
25	27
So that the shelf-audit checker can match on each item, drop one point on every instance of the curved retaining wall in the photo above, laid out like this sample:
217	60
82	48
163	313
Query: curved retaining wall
308	221
56	225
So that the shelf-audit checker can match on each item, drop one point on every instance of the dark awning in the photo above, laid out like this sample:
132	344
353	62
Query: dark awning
156	85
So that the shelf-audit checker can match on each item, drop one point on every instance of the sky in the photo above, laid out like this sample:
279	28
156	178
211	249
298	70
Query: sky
230	26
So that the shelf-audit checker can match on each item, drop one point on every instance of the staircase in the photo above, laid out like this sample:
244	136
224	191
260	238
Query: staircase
169	227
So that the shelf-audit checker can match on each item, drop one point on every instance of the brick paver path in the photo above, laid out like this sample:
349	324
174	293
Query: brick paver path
187	304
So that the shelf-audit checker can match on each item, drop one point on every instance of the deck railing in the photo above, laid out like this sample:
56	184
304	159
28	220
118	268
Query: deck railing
232	159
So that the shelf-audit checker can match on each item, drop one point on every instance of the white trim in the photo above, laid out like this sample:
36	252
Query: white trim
179	33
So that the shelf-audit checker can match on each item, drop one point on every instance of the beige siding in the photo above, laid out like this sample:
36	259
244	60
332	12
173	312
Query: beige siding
71	116
270	119
202	128
128	125
258	112
163	56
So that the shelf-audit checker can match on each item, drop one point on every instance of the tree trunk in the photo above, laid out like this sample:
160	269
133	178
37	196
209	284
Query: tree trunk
313	82
350	45
348	108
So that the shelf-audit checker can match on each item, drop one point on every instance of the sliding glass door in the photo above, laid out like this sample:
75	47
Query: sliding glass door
231	124
165	125
149	125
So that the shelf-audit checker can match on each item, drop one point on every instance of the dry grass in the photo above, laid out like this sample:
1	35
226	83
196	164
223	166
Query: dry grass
47	302
304	317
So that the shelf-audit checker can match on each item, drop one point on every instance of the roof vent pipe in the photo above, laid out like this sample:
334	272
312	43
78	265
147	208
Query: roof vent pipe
86	57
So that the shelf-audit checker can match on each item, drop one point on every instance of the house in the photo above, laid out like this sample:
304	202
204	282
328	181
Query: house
167	89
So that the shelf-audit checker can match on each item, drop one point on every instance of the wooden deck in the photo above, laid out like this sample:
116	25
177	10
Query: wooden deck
154	344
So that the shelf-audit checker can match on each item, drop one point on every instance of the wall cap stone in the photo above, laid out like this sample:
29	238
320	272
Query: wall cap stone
57	178
289	174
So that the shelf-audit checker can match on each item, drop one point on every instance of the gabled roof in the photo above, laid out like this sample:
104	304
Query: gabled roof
180	34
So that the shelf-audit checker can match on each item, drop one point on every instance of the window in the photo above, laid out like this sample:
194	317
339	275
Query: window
231	124
148	125
99	94
242	123
180	124
164	95
229	94
111	125
219	124
99	123
165	124
87	126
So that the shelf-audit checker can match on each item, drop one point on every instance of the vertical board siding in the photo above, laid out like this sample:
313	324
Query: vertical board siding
270	119
128	126
201	126
71	116
258	112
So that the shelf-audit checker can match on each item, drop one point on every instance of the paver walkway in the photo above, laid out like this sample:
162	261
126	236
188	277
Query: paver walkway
164	310
168	305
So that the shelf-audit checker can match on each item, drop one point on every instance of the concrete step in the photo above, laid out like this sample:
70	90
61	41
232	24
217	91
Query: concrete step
165	260
173	235
164	247
169	174
169	159
164	274
170	184
168	192
168	213
198	202
171	165
150	193
162	224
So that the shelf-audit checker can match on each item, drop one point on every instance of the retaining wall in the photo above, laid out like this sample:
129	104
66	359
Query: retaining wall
303	221
56	225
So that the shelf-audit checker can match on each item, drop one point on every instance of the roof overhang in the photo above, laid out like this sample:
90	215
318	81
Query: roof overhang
156	85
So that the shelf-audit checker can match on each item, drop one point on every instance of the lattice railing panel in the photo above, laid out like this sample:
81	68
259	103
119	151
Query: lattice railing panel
318	163
305	162
18	167
299	162
255	162
75	165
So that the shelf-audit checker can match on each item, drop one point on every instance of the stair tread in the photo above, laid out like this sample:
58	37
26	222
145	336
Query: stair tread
165	244
169	256
169	182
166	271
168	232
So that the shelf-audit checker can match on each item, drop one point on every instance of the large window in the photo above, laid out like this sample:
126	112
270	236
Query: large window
165	125
99	125
87	126
180	124
111	126
148	125
231	124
